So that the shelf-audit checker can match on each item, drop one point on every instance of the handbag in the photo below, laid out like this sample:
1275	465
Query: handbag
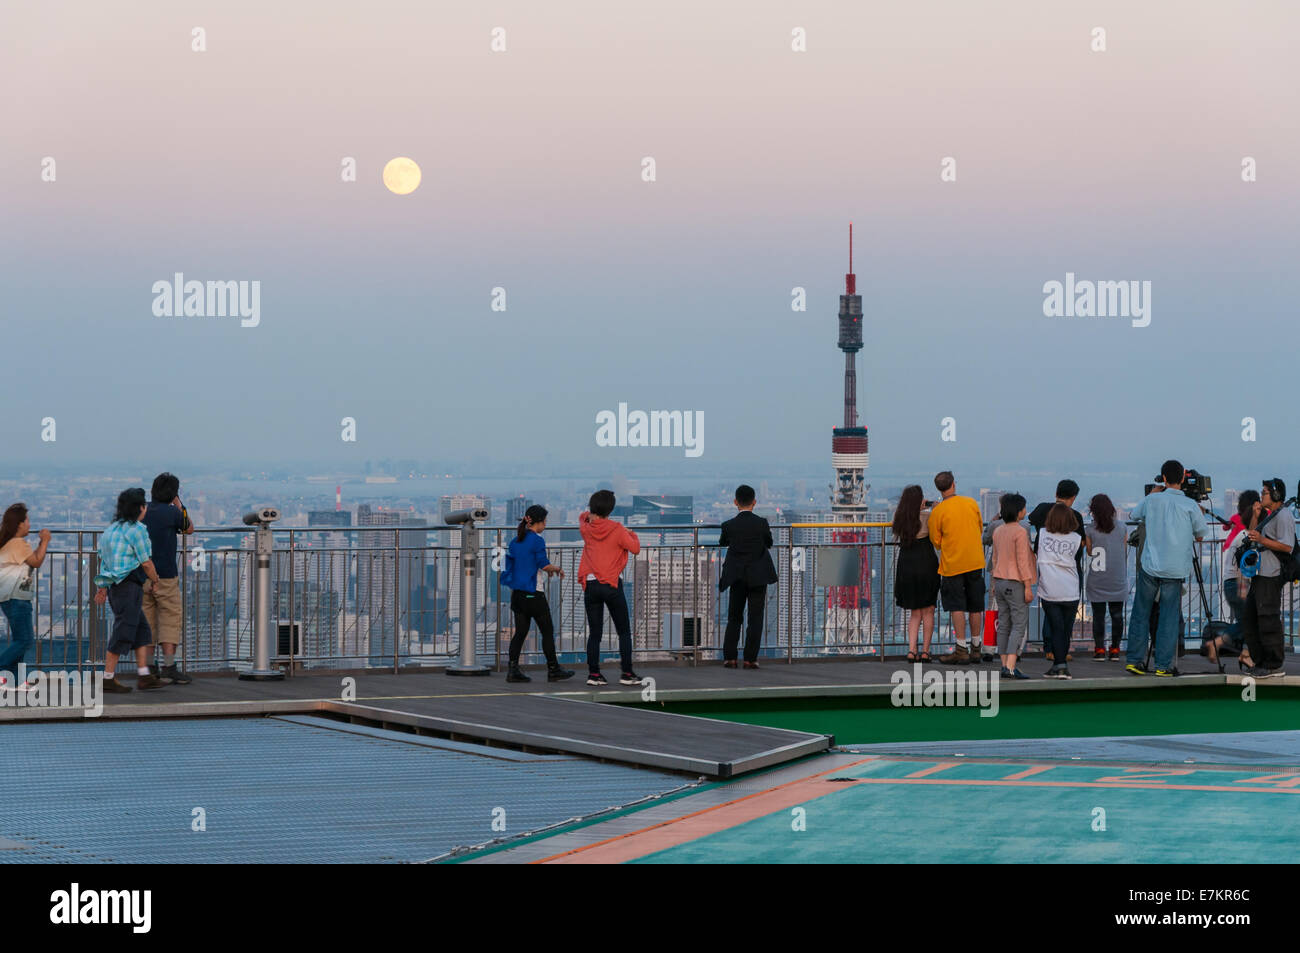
17	581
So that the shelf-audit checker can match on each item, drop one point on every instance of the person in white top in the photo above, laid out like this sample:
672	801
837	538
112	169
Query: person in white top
1058	582
15	552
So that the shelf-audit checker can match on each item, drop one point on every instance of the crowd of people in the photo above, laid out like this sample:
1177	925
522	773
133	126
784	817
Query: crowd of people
137	577
945	551
942	560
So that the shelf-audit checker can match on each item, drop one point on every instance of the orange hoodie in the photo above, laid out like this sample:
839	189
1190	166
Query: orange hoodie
605	549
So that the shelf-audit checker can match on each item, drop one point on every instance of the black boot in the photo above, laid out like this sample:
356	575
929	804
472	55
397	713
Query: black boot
556	674
516	674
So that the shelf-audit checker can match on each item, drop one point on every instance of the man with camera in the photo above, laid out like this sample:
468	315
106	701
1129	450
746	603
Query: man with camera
1273	537
1172	523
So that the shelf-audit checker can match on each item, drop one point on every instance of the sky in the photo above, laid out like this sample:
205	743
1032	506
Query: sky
673	294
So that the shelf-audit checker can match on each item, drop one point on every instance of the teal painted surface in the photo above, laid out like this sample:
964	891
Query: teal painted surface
941	823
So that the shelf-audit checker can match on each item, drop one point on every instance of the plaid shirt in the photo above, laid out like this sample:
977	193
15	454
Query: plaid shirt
122	548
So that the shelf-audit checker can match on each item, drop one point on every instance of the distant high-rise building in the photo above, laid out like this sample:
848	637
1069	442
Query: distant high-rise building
516	506
390	574
665	511
1230	498
990	504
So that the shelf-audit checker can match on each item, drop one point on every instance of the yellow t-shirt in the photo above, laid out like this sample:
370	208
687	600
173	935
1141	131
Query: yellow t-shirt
956	528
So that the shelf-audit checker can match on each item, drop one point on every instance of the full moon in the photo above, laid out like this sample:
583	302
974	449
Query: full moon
402	176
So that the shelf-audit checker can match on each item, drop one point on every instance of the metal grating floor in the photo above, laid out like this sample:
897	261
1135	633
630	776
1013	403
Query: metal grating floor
277	791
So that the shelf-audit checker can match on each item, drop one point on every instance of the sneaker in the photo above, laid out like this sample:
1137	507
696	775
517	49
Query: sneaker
556	674
1114	654
1069	657
173	674
973	657
145	682
113	685
988	657
1005	673
1259	671
632	678
1136	668
1100	655
1049	656
1170	672
751	665
516	674
1021	675
595	678
1064	672
1056	672
958	656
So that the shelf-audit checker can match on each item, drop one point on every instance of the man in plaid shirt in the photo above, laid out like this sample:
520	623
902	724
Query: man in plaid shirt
125	563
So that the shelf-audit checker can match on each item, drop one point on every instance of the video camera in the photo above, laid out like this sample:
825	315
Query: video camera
1196	486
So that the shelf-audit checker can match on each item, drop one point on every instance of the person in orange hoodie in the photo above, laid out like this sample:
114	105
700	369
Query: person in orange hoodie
606	544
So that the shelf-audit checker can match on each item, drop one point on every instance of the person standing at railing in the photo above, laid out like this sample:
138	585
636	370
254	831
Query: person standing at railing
525	558
1262	622
165	519
18	565
1171	524
746	573
956	530
125	567
1107	582
1067	491
1058	582
1014	573
916	574
606	545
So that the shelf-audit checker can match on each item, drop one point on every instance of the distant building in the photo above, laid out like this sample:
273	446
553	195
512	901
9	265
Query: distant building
515	508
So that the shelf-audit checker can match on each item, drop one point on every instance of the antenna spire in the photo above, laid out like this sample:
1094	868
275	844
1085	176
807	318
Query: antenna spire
850	280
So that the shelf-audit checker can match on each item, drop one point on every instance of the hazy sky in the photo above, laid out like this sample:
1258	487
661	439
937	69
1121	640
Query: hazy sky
671	295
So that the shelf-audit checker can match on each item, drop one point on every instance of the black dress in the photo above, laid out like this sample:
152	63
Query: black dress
916	579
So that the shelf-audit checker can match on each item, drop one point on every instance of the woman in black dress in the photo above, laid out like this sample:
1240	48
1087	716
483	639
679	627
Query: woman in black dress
916	579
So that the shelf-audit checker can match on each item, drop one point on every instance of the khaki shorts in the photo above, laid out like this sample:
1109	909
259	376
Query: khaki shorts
162	608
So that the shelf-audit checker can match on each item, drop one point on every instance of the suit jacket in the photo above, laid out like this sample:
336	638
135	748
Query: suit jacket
748	539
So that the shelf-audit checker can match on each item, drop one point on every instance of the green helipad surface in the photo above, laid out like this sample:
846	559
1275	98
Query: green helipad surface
922	811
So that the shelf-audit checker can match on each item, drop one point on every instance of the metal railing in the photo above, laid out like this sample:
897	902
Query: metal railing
389	598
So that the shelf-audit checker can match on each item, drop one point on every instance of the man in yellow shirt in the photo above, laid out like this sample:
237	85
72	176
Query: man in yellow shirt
956	529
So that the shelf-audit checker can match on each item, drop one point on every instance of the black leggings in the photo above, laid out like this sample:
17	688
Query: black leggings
529	607
1099	623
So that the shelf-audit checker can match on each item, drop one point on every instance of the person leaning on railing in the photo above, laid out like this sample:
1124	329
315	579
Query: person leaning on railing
125	563
18	565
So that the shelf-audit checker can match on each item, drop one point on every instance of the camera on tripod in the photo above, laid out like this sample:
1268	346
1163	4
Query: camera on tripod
1196	486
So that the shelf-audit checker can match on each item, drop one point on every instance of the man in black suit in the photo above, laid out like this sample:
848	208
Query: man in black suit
747	572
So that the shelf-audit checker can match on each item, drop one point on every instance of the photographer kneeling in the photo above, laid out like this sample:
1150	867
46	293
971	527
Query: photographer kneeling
1261	623
1172	523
